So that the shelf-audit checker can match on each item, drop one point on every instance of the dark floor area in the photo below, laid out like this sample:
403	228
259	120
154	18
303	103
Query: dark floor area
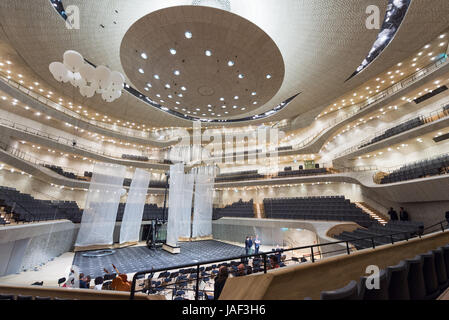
133	259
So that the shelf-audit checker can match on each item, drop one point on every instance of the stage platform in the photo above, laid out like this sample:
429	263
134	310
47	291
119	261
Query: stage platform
138	258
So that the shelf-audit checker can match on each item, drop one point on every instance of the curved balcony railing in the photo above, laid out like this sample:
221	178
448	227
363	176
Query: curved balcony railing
415	77
117	129
430	117
32	159
65	141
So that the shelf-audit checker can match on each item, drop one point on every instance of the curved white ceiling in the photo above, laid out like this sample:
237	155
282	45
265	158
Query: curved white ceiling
322	43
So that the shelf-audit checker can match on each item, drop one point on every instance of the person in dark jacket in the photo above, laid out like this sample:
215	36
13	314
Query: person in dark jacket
220	281
247	246
393	214
447	217
403	215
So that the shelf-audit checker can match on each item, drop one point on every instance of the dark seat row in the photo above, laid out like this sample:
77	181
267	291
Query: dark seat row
418	170
410	124
424	277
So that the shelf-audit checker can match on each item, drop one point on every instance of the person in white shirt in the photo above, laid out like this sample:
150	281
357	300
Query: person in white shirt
98	283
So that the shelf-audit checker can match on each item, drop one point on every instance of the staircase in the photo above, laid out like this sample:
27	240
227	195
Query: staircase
5	216
373	213
258	210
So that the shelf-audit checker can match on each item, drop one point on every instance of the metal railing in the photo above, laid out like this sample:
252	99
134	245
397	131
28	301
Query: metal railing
263	256
430	117
65	141
403	84
58	107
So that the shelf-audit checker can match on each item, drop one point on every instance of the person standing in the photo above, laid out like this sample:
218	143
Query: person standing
393	214
247	245
250	244
256	245
403	215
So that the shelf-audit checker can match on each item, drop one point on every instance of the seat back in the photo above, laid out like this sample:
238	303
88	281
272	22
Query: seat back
398	286
375	294
440	268
430	276
416	285
349	292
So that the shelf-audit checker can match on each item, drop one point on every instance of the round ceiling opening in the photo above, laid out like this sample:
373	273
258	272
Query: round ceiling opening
196	55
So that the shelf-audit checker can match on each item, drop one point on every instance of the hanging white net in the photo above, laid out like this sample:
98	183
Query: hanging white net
135	203
186	207
175	203
100	210
202	212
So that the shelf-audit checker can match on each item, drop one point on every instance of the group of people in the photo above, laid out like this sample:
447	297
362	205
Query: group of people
249	242
403	215
119	281
275	261
83	282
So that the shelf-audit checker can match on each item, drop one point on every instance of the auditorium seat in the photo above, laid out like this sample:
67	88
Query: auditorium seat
375	294
430	276
348	292
333	208
398	287
440	268
446	258
416	282
418	169
237	209
6	297
408	125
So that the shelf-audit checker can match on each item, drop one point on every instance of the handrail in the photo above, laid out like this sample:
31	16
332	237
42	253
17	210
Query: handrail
390	170
403	84
58	107
437	114
29	158
264	254
63	140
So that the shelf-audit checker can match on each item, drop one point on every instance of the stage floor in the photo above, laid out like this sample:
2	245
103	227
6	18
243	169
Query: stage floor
138	258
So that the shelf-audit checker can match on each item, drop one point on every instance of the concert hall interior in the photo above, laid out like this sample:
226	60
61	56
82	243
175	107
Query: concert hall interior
224	150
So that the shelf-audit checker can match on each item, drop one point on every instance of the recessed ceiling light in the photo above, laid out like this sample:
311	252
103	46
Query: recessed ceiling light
236	97
158	95
146	88
223	107
180	95
183	88
167	86
255	102
177	73
234	107
148	85
427	46
268	76
141	70
209	105
230	63
208	53
156	76
188	34
177	102
253	93
172	51
243	108
241	76
144	55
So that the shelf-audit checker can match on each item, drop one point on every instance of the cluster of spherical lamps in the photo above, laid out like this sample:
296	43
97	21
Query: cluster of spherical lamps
88	79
